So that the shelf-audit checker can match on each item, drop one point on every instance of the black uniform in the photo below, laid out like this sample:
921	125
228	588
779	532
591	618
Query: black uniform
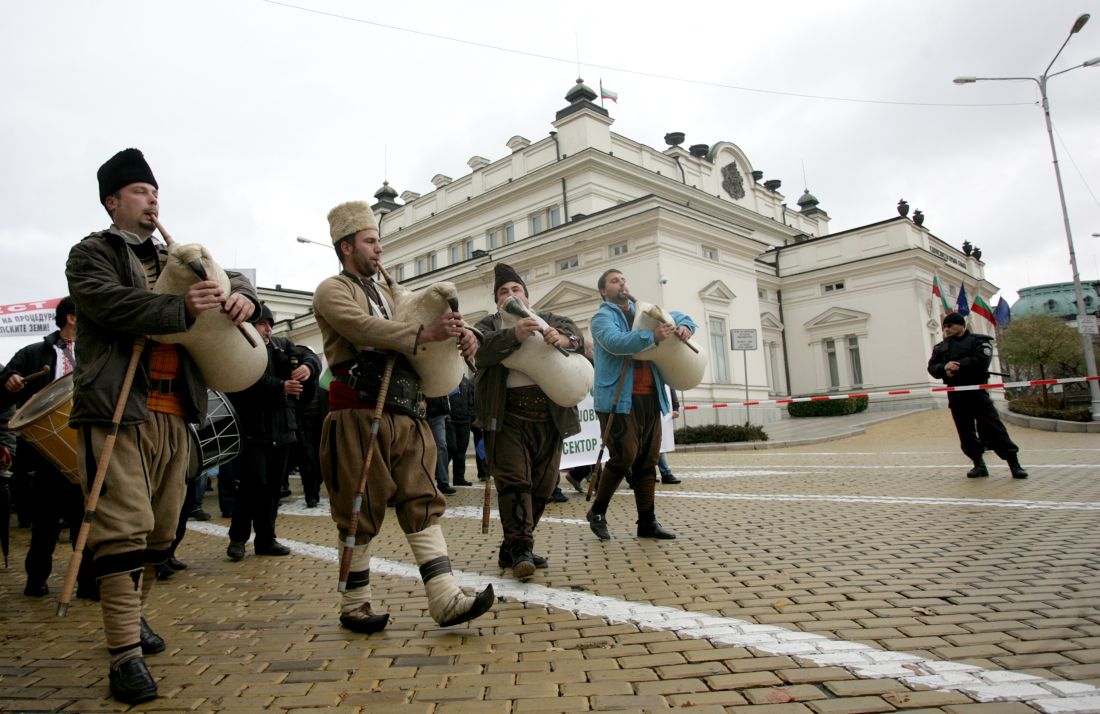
975	417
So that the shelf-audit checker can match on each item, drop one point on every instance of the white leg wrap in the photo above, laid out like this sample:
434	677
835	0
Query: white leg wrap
356	594
445	599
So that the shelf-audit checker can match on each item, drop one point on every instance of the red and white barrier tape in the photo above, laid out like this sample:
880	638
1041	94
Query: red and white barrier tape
895	392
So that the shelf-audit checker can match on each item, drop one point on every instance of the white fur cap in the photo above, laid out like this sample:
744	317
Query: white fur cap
350	218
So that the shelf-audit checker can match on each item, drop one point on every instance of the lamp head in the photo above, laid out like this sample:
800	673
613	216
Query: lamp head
1091	63
1079	24
965	80
300	239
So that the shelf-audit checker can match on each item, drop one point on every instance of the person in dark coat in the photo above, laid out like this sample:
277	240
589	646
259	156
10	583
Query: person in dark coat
459	421
268	423
962	359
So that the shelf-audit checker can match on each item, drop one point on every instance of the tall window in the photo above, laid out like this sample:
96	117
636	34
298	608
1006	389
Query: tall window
421	265
454	253
494	238
469	247
546	218
400	273
719	364
853	359
831	363
509	234
536	223
554	214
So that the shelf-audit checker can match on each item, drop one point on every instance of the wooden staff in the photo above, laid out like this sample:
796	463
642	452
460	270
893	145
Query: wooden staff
594	481
490	440
200	272
40	373
100	476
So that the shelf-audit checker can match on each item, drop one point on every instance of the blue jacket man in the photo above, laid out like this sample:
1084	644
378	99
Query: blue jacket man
634	437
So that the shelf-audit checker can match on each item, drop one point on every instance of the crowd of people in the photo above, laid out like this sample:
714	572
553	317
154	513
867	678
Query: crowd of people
365	429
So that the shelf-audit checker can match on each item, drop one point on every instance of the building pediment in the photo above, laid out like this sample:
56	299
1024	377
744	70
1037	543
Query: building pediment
837	316
769	321
567	296
717	292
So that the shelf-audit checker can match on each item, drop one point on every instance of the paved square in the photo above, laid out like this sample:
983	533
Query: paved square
860	575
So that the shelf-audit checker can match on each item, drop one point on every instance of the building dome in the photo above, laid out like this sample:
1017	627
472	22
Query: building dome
1056	299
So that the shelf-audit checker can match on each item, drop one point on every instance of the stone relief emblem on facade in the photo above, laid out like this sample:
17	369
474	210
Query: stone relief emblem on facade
732	181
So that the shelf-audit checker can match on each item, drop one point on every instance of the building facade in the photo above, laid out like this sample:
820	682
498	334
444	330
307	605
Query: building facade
696	230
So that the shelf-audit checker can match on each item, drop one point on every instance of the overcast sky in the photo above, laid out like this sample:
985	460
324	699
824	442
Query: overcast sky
258	117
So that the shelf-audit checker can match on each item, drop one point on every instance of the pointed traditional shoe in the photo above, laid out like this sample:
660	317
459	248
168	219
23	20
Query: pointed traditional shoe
364	620
131	682
652	529
482	603
151	642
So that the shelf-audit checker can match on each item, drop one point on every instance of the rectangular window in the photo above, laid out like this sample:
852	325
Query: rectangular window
469	248
619	249
509	234
400	273
567	264
853	357
494	238
432	261
762	294
555	217
536	223
454	253
421	265
710	253
719	363
833	287
831	363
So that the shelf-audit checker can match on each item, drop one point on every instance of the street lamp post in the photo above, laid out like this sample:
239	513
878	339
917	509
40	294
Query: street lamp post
300	239
1041	82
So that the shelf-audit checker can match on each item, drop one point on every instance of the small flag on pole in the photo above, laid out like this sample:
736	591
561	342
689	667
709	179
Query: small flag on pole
1003	313
608	94
981	307
937	291
960	305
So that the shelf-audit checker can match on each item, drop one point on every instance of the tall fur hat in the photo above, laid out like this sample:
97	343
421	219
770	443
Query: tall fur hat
349	218
124	168
503	273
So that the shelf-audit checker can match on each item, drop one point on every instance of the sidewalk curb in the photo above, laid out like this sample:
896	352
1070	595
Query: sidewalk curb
777	444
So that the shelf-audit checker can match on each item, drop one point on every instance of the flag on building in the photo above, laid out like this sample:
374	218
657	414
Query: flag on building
981	307
1003	313
937	291
608	94
961	306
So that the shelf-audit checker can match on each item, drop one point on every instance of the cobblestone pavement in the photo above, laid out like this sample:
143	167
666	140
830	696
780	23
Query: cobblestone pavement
865	574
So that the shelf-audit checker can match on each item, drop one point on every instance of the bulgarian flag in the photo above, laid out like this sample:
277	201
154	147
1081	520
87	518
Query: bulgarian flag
981	307
938	292
608	94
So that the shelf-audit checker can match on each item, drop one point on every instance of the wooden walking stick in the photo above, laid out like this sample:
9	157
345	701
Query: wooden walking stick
360	493
100	476
594	480
489	441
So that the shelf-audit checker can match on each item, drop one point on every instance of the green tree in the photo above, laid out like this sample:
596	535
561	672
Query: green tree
1042	347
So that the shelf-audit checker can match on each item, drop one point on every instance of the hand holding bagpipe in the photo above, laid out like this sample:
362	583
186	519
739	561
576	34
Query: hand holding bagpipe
516	307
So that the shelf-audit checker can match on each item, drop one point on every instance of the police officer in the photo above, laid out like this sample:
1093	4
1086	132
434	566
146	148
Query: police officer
963	359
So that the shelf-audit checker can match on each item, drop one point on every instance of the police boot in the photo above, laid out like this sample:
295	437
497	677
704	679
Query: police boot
504	559
447	603
523	561
1015	468
355	608
648	527
979	470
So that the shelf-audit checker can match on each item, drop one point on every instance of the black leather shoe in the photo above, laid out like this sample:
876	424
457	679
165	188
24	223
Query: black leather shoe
461	482
670	479
482	603
979	470
446	489
131	682
36	589
558	497
163	571
235	551
176	564
598	524
523	566
273	548
151	642
311	503
652	529
1017	470
364	620
577	483
504	560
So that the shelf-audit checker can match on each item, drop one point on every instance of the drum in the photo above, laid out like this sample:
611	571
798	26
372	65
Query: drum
218	440
43	422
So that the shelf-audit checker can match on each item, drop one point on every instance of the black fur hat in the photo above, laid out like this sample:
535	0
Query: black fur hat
124	168
503	273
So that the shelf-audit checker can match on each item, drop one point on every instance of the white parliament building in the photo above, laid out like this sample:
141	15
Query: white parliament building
696	230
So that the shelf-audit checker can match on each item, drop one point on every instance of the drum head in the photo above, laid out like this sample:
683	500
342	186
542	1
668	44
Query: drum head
48	399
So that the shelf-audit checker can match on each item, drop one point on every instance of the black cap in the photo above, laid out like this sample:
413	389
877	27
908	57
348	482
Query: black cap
503	273
124	168
265	315
954	318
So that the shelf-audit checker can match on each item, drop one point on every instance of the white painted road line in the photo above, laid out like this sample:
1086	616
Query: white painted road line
860	659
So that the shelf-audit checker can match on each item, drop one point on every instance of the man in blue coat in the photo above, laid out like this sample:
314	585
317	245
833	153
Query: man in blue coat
635	439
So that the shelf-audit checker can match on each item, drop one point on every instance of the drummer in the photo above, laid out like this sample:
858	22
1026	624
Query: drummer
50	497
111	273
635	439
526	448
